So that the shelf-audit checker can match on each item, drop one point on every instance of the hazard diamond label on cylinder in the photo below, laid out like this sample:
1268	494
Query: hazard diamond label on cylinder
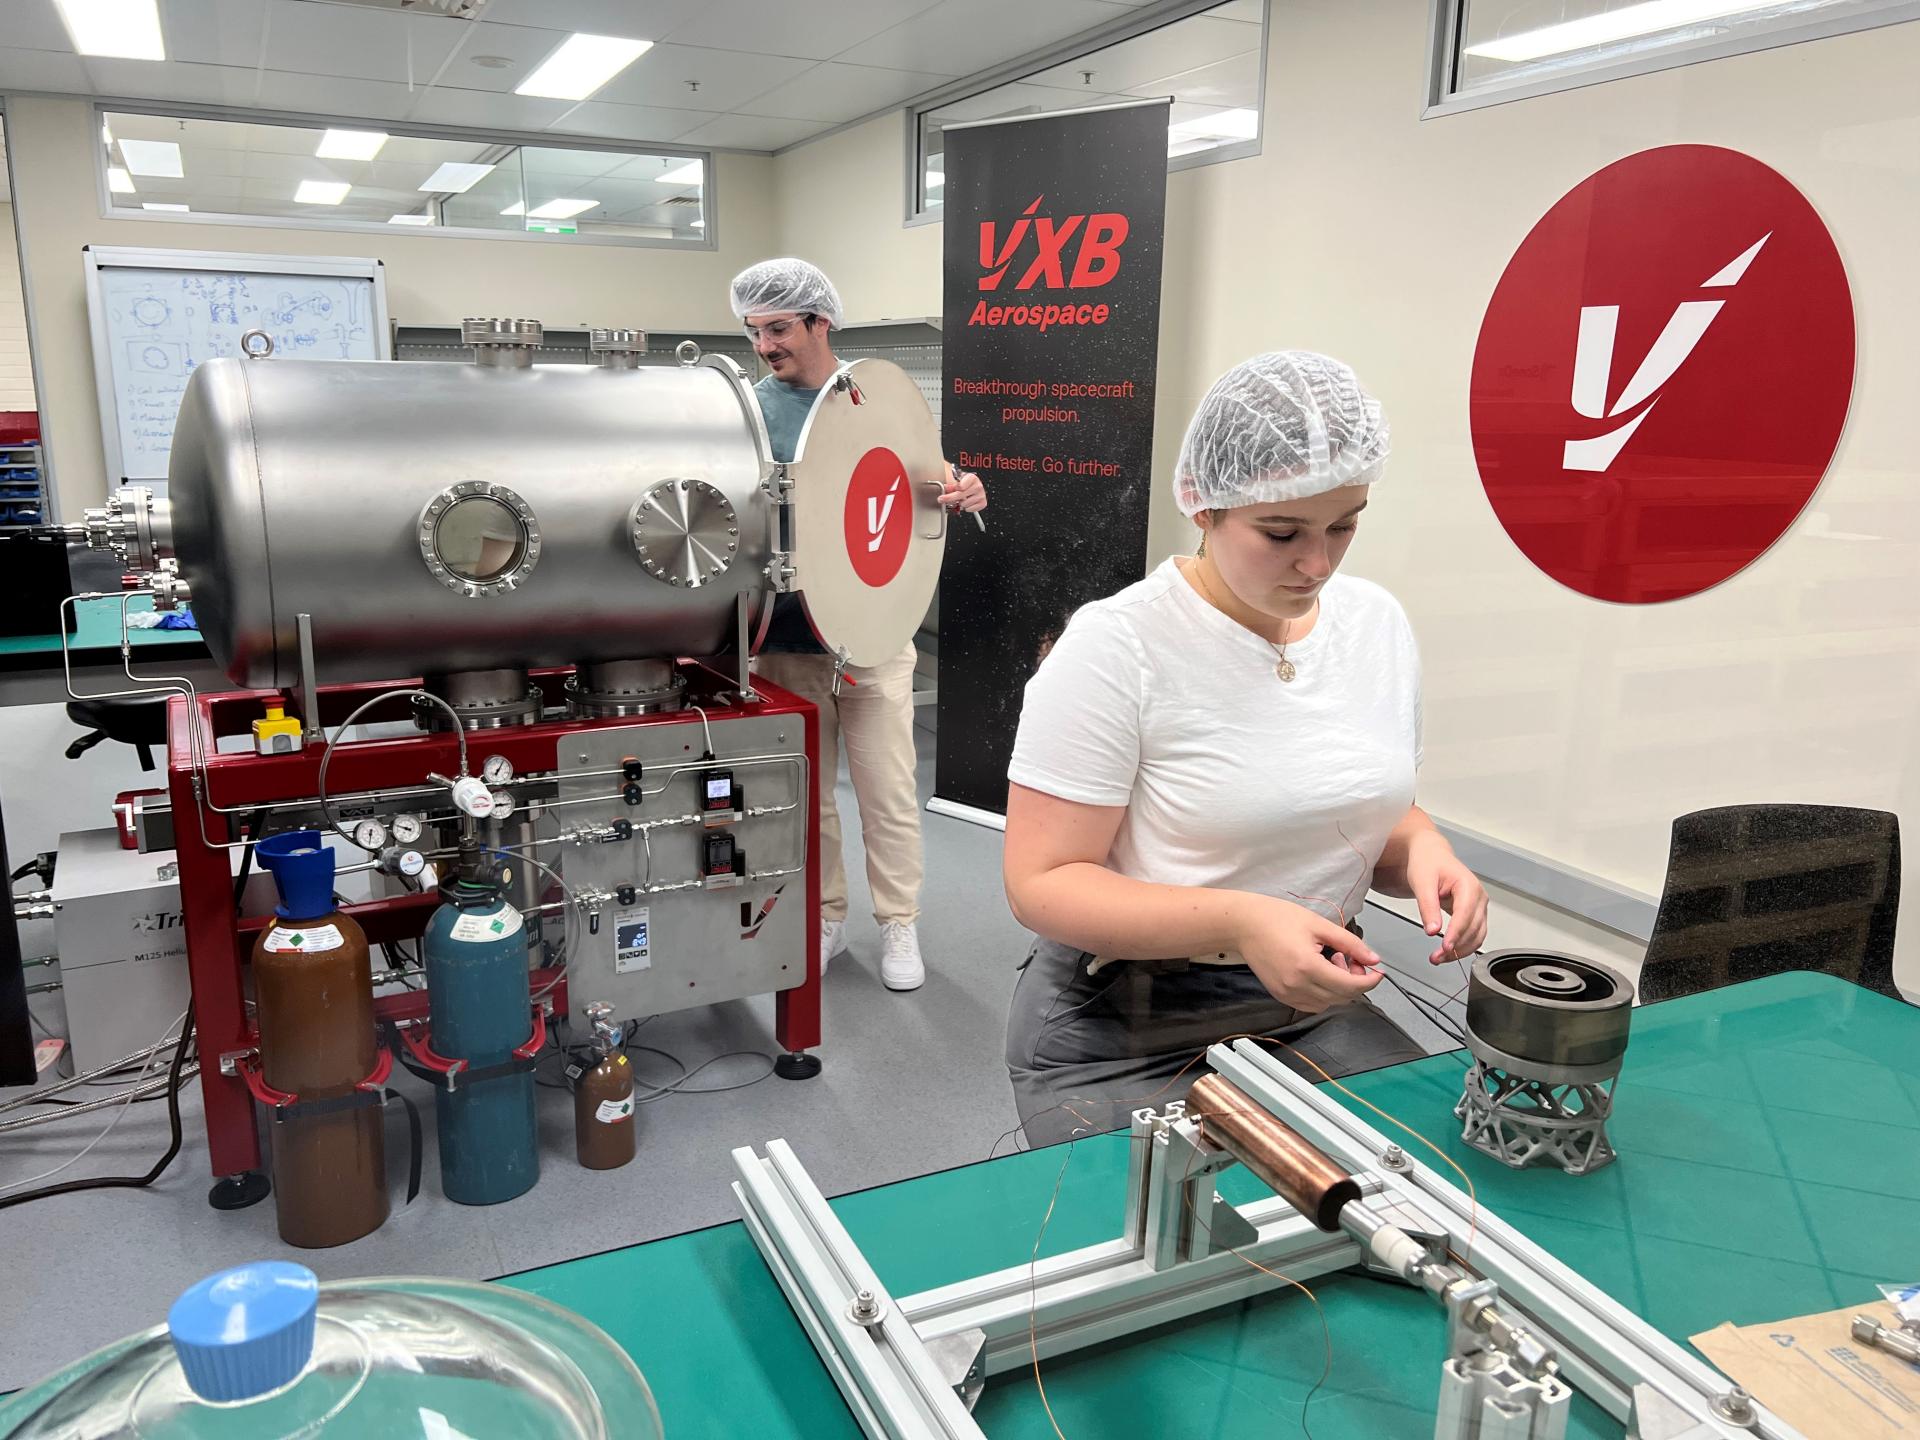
879	516
1663	374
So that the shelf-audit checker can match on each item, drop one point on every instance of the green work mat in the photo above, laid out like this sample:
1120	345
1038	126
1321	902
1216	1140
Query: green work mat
1769	1136
97	626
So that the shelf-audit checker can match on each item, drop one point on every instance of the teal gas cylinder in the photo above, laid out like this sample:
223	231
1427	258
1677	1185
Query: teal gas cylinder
476	960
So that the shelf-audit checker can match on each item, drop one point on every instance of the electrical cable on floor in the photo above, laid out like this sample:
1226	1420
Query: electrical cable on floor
174	1077
679	1085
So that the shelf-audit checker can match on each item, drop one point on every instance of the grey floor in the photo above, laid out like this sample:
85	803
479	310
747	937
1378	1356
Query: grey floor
912	1084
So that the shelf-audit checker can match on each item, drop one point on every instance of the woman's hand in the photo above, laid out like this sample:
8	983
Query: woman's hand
963	491
1441	885
1284	945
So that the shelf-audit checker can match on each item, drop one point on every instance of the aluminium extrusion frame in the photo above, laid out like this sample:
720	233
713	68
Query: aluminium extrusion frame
910	1368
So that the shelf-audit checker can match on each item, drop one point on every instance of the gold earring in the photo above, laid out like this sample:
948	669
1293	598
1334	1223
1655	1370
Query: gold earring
1203	547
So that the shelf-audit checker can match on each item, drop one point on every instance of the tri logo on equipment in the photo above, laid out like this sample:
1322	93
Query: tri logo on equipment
1663	374
879	516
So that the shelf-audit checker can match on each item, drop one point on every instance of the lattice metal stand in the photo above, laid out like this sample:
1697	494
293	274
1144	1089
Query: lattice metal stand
1548	1033
1519	1120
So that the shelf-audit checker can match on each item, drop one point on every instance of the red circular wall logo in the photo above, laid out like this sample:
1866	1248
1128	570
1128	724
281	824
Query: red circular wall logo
879	516
1663	374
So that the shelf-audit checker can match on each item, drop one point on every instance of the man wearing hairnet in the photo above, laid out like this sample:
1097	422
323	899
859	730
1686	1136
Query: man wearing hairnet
1213	767
789	310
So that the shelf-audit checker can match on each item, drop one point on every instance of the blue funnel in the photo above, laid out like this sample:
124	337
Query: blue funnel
303	869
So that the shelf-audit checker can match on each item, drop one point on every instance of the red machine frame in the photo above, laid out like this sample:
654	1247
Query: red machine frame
219	939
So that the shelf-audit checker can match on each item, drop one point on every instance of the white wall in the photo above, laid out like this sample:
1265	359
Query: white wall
16	375
1560	725
431	279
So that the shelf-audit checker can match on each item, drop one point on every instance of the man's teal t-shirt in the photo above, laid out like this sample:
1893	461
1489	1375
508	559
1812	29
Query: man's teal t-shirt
785	409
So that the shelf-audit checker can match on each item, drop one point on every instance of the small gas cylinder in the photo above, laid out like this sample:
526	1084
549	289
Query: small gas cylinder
603	1123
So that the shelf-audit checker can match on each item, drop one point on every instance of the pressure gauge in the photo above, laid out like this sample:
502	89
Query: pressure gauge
502	804
408	828
412	862
498	770
370	835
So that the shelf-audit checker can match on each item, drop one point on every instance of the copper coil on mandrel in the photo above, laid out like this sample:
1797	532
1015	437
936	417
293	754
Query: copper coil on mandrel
1298	1171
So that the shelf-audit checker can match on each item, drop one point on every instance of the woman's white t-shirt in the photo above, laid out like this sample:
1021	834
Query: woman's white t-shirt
1232	778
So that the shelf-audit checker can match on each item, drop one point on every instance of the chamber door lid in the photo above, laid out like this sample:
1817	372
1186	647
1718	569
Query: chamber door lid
868	527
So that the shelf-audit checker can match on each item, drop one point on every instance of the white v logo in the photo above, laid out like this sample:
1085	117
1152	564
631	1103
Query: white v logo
1593	364
877	517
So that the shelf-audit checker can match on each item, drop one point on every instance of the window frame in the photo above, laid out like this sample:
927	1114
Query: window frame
709	192
1151	17
1444	36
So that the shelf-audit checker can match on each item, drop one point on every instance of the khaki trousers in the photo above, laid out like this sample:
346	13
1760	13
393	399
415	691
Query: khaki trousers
875	718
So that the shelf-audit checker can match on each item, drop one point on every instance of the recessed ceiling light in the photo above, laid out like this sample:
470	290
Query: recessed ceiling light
106	134
156	205
581	65
518	207
122	29
119	181
1225	125
152	157
561	209
351	144
455	177
699	225
1609	26
411	220
321	192
691	173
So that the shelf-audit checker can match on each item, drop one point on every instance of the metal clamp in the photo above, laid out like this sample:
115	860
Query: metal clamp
440	1070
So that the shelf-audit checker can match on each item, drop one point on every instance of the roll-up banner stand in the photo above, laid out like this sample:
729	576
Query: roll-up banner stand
1054	227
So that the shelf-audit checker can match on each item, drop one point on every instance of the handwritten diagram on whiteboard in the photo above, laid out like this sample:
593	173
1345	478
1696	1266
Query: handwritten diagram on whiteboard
160	324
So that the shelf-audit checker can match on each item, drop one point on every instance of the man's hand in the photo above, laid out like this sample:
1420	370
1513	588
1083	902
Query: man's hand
1441	885
963	492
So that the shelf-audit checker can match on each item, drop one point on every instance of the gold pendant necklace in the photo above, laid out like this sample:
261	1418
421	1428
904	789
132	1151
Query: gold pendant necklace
1284	669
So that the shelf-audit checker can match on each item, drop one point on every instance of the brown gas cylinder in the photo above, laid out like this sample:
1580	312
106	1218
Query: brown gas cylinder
603	1124
313	984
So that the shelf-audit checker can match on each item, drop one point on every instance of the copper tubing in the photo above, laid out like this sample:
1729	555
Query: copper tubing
1297	1170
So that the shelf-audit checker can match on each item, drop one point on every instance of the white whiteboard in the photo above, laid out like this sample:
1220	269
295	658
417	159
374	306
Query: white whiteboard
158	313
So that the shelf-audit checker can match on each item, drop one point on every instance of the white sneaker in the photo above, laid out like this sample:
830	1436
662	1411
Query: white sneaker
833	941
901	967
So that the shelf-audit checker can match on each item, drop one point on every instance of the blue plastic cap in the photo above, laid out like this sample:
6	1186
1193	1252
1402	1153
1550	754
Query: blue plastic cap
246	1331
302	866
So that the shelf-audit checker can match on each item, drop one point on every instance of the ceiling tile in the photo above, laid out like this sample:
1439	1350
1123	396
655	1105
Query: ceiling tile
649	167
634	19
814	32
165	80
522	47
639	124
363	44
1159	57
43	70
213	32
36	25
486	110
1021	98
1233	83
728	79
835	93
753	132
959	37
336	96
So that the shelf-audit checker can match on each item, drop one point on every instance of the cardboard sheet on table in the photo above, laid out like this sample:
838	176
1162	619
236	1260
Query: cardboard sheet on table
1813	1374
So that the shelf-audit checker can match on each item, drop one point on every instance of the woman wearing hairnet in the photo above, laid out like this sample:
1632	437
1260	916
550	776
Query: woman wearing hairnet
1214	766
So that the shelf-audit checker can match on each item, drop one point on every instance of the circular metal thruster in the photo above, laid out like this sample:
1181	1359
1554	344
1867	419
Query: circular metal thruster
483	699
617	688
1537	1010
479	538
684	532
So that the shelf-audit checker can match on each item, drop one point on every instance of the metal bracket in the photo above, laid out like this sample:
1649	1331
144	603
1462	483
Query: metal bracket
780	572
309	683
742	653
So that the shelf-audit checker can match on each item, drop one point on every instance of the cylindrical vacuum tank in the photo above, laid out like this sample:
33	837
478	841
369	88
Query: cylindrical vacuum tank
444	517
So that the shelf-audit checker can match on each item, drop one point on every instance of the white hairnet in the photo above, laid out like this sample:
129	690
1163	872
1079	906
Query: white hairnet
788	284
1281	426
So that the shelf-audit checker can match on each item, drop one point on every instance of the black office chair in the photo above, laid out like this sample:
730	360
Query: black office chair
1756	890
136	720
